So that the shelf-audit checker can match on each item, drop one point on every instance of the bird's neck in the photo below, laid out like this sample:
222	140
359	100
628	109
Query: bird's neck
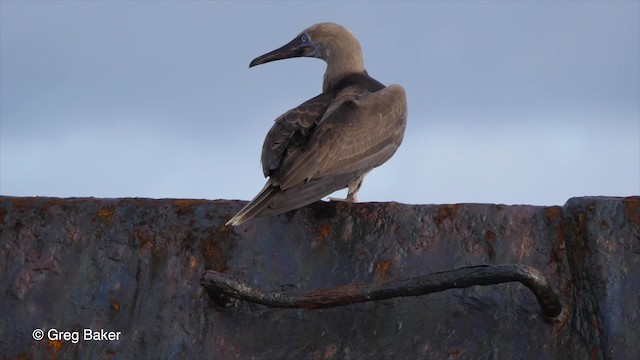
341	65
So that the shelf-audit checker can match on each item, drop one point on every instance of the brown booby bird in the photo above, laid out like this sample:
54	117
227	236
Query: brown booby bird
333	140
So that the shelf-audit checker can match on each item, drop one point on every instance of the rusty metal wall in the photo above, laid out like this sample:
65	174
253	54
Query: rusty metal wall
134	265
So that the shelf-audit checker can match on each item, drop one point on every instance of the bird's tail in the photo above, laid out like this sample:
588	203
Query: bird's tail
304	194
255	206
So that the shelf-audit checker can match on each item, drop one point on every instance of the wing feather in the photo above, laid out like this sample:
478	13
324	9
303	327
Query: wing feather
291	131
358	133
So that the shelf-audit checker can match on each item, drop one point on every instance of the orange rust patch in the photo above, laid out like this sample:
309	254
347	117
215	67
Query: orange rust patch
321	235
115	306
445	212
553	212
182	202
193	263
183	206
105	212
105	215
382	268
325	230
489	235
54	346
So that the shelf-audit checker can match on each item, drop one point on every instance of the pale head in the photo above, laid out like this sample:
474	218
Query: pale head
330	42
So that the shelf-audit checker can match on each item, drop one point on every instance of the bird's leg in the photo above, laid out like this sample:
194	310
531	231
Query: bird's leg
354	186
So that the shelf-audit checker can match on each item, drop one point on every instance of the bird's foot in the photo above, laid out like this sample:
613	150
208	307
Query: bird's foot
349	200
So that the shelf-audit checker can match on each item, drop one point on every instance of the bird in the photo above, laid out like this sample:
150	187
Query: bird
333	140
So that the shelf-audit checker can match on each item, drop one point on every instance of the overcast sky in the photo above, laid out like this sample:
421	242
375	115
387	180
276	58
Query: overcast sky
509	102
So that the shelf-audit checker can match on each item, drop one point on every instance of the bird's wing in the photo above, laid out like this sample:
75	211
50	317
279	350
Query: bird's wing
291	131
358	132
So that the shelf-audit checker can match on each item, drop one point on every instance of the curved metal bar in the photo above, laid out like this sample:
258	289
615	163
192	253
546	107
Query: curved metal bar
221	285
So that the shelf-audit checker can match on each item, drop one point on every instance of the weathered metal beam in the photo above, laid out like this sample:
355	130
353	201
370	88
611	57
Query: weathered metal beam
134	267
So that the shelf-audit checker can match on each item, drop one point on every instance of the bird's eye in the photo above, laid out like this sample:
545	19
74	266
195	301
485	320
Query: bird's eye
303	38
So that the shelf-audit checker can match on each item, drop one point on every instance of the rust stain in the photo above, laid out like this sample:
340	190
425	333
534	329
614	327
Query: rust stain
53	346
321	235
556	257
490	239
325	230
104	215
225	348
445	212
214	256
192	202
582	226
183	206
489	235
557	254
382	268
183	202
560	234
581	217
632	210
145	237
330	351
216	249
595	322
225	228
115	306
553	212
193	262
455	352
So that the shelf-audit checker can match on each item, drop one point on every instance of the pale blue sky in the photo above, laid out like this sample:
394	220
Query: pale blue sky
509	102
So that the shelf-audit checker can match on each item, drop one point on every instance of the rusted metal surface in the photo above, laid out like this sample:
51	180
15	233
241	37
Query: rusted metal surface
134	266
603	244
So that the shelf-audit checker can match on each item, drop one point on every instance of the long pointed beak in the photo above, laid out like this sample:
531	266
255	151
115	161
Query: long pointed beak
290	50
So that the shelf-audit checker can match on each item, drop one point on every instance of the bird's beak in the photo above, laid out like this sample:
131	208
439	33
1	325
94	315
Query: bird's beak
293	49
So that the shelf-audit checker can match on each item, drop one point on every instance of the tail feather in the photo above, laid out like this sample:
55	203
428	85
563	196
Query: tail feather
255	206
305	194
273	201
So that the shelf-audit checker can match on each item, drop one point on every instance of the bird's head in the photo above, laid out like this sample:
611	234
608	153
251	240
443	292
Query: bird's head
300	46
330	42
